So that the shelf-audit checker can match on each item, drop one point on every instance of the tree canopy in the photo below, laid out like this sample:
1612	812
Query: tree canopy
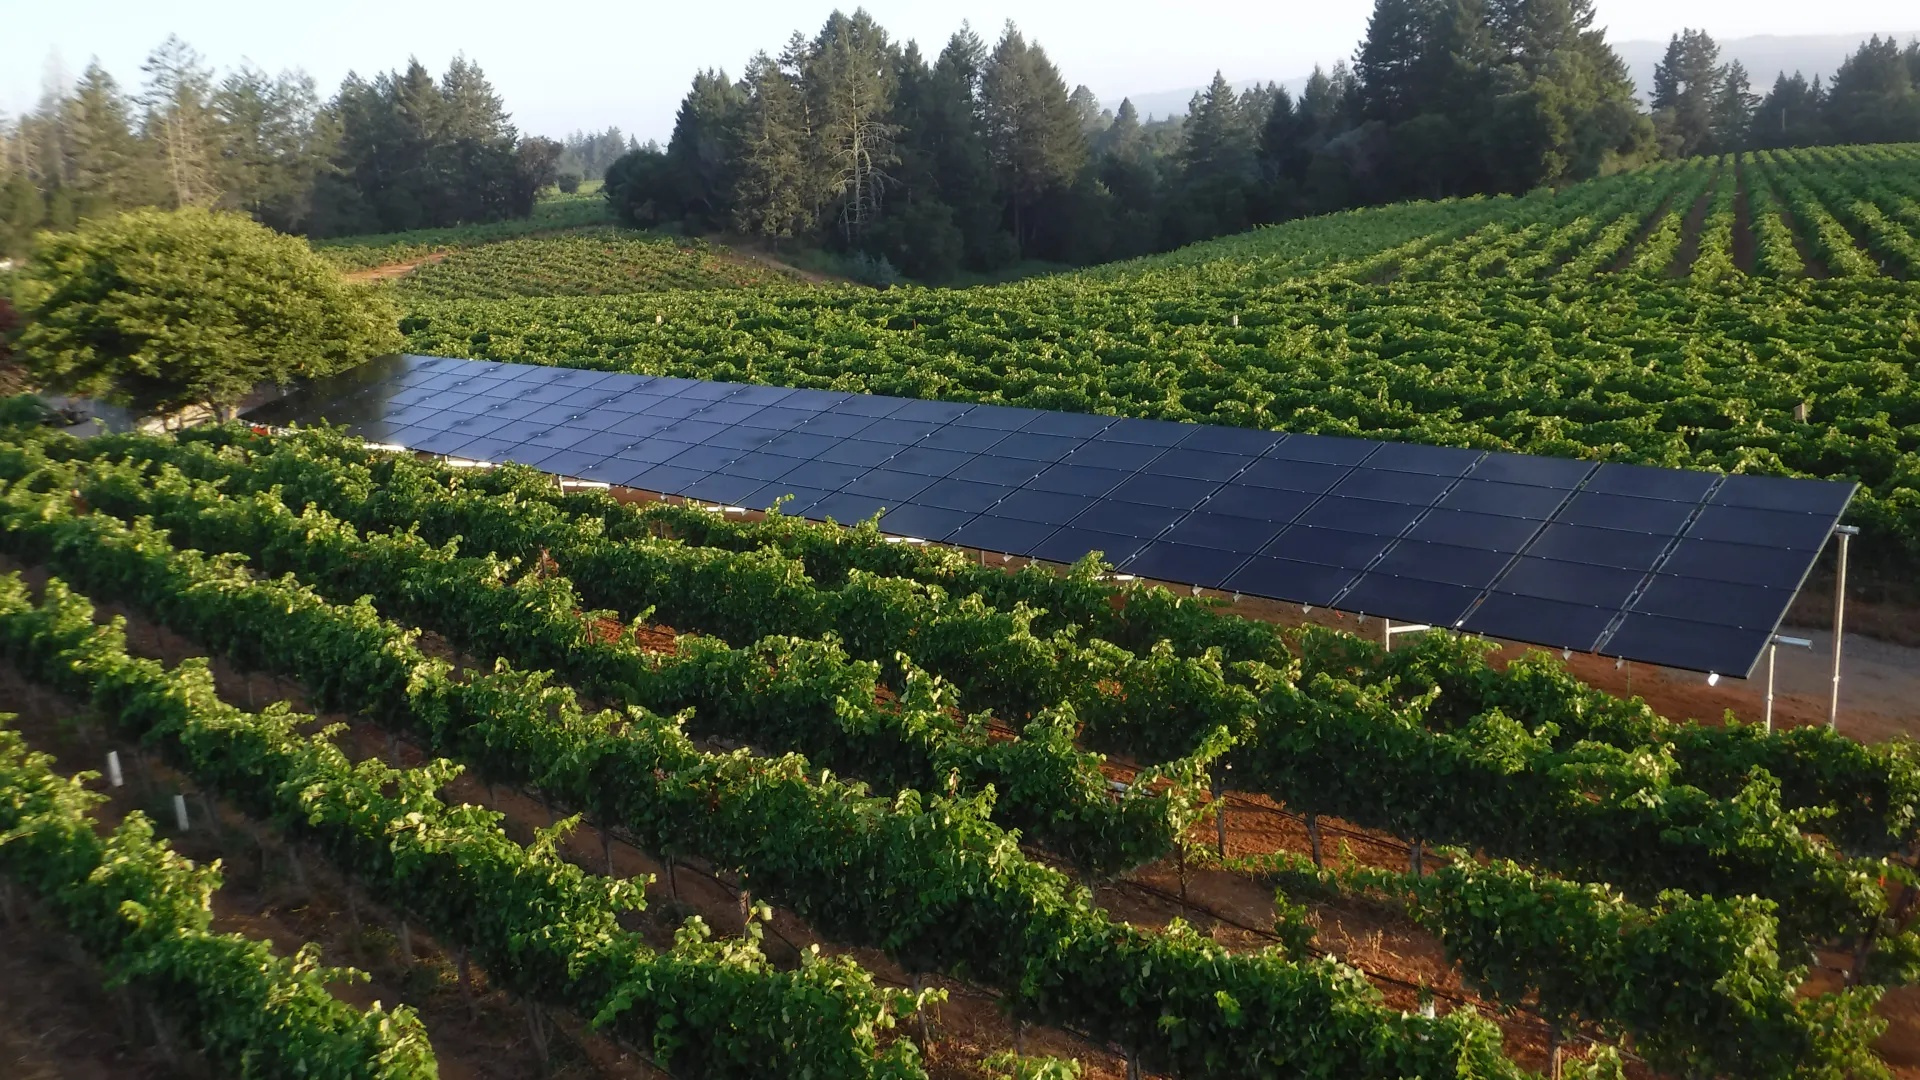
159	310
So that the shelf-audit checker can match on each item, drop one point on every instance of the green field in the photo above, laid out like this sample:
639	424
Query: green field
1676	315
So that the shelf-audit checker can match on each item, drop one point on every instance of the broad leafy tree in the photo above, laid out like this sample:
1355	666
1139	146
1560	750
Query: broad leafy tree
164	309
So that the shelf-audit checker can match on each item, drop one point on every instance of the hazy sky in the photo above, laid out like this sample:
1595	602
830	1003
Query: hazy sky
565	66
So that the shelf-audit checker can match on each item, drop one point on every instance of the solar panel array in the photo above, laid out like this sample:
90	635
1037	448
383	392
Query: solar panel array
1674	567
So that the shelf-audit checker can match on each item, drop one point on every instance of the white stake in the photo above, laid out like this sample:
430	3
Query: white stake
180	812
113	769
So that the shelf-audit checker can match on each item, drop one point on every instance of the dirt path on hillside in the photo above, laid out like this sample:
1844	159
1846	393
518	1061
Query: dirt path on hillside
392	270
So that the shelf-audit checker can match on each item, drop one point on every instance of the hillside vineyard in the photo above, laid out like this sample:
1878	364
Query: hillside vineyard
1679	315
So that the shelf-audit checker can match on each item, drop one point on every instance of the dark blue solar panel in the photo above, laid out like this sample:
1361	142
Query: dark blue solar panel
1198	464
998	417
1561	473
963	495
1627	512
1049	507
859	452
1648	482
1431	460
1328	547
1575	583
970	440
1073	425
928	461
1542	622
1784	493
1601	547
1070	545
933	412
1506	500
1284	579
1685	643
763	466
1360	515
896	487
1245	442
1325	449
1111	455
1174	491
1774	528
1311	476
1418	489
1078	480
1225	532
722	489
895	430
848	508
1755	607
823	474
1714	560
1006	535
1409	599
1127	519
836	424
1539	549
925	522
1163	561
988	469
1266	504
1146	432
1444	563
1030	446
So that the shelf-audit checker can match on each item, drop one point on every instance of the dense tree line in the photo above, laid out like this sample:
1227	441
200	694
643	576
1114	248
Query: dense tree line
585	155
400	151
980	157
1703	106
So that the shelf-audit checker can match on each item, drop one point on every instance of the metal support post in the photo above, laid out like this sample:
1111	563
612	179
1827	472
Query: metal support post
1772	644
1772	647
1846	533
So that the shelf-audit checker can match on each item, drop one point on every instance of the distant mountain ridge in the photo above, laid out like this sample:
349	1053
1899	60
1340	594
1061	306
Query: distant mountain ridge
1765	57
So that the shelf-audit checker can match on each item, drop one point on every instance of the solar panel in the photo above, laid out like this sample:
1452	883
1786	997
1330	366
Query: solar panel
1183	563
1679	567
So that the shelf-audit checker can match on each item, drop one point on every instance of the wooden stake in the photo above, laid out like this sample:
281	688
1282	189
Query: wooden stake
606	848
1313	836
406	944
466	979
538	1029
1220	815
920	1013
1415	861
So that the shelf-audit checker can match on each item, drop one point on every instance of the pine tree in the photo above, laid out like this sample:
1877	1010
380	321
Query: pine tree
770	192
1733	109
703	152
849	82
180	122
1686	86
1031	127
105	163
